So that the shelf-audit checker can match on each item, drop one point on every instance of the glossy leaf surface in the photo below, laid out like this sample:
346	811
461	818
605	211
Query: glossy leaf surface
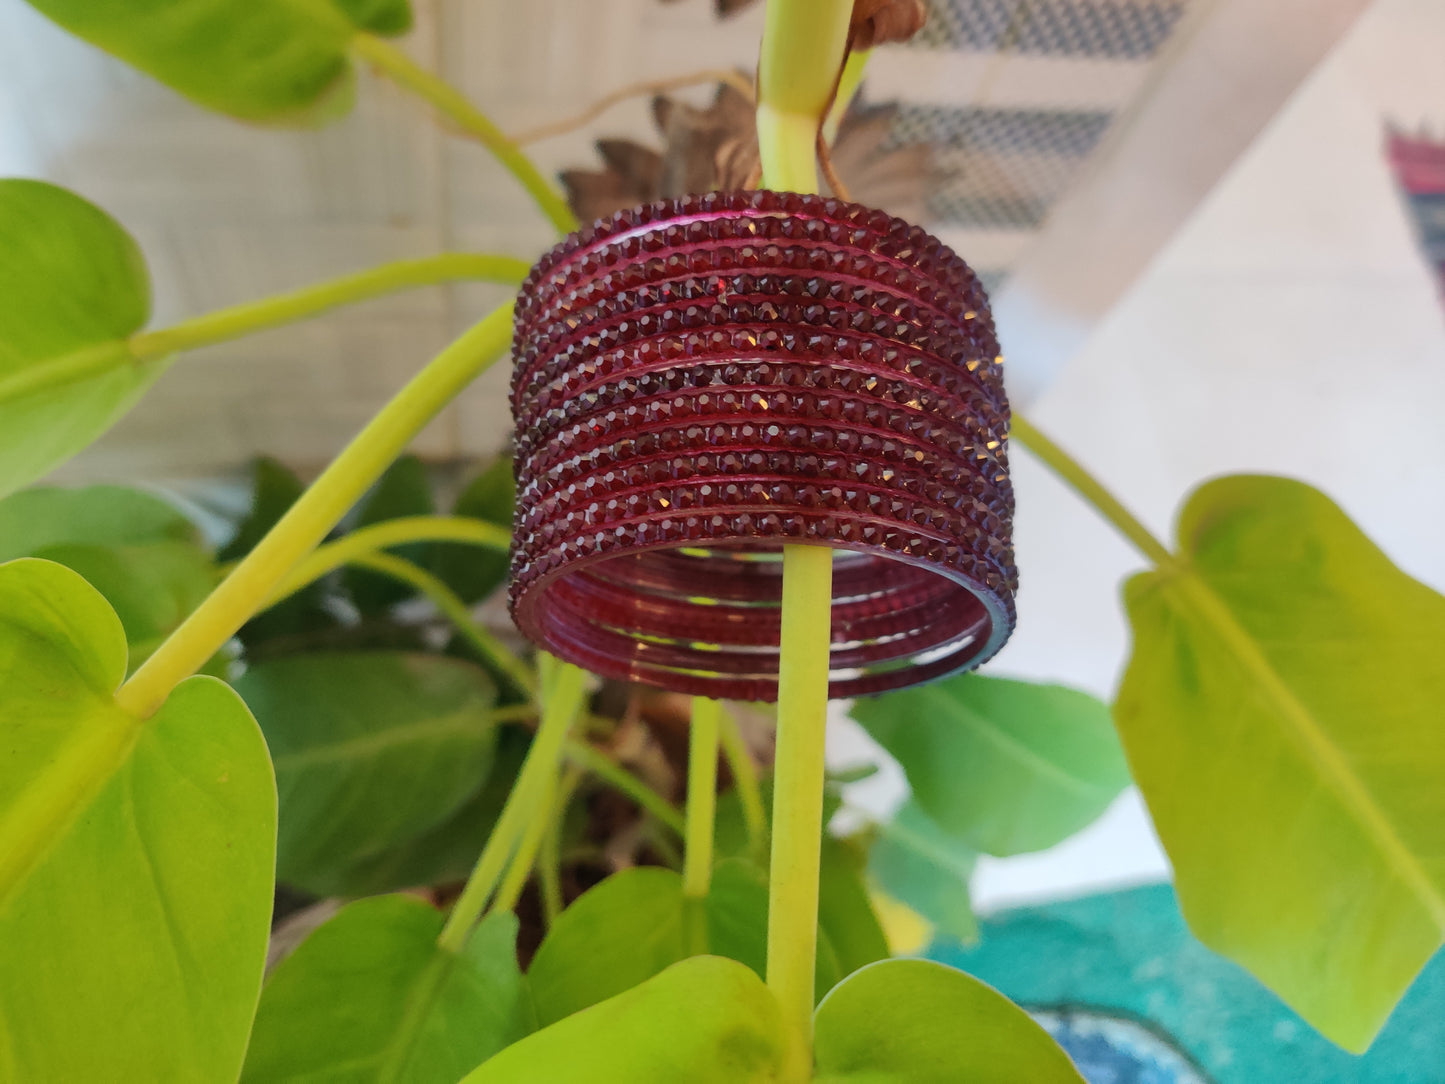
369	997
75	288
136	856
1282	712
920	1022
371	749
706	1020
260	60
1003	766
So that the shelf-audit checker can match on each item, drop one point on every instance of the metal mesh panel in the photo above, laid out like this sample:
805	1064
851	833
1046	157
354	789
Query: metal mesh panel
1121	29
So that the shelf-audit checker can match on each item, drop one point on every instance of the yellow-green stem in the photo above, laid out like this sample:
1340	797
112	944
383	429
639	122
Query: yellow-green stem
456	611
244	591
1088	487
745	779
309	301
155	347
392	532
510	890
799	64
564	694
454	105
587	756
549	858
701	797
798	780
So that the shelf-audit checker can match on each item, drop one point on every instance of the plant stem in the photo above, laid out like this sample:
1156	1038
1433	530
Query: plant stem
153	347
455	610
391	532
510	890
453	104
563	703
1088	487
270	312
549	859
802	52
848	85
231	604
701	797
745	779
588	756
798	783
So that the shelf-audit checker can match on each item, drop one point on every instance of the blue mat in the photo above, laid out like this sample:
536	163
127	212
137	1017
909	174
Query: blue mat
1120	982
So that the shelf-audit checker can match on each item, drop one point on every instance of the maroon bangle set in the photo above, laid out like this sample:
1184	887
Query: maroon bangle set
700	381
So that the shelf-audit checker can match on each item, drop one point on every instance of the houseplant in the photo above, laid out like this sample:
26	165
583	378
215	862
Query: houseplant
138	813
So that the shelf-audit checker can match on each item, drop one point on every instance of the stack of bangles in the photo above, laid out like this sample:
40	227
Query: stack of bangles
699	382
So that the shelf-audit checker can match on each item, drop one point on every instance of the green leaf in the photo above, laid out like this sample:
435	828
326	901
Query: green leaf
45	516
1282	713
259	60
845	913
472	572
1004	766
447	852
614	936
274	490
705	1021
918	864
369	997
634	924
404	490
152	588
135	855
138	551
75	289
920	1022
371	749
737	923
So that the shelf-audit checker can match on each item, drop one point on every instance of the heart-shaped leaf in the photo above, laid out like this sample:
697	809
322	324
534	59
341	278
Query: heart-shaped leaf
706	1021
135	855
920	1022
919	864
1003	766
372	748
634	924
151	587
369	997
260	60
1282	712
75	289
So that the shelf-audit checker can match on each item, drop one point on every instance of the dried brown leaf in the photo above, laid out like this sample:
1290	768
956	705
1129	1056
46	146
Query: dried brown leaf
877	22
716	149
